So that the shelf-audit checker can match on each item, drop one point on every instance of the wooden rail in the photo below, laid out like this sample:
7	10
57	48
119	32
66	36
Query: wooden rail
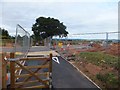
27	75
34	58
17	65
45	83
34	81
4	72
30	67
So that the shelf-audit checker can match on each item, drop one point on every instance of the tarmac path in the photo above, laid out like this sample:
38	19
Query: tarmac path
64	75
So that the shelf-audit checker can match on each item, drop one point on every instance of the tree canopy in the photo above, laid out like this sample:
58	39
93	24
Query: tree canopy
46	27
4	34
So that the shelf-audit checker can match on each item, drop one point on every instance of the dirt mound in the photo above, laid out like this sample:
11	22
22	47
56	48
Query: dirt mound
112	49
93	69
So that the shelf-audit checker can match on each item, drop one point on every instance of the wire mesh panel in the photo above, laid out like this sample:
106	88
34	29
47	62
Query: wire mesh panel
22	42
95	54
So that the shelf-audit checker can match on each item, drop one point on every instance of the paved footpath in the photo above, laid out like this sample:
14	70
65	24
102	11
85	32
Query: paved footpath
64	75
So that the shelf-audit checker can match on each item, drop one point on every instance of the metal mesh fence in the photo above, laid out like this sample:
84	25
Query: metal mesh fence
90	42
95	54
22	42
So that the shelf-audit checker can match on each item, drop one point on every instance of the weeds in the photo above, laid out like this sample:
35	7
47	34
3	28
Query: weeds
109	79
106	61
99	58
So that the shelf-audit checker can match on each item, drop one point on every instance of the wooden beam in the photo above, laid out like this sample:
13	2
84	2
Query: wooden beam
50	71
12	71
35	58
29	82
26	79
30	67
40	86
27	75
50	63
4	73
30	72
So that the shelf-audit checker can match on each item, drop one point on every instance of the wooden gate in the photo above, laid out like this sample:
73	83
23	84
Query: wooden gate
31	76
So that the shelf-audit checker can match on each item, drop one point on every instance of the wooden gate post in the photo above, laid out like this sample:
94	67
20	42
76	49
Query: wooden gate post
50	62
12	71
50	71
4	73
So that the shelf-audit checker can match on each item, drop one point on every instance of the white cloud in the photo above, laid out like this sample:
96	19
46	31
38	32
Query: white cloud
78	17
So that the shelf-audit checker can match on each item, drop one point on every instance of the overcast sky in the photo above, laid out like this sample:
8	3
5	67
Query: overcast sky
80	16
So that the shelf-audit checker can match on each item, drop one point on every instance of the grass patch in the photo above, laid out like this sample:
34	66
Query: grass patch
100	58
109	80
106	78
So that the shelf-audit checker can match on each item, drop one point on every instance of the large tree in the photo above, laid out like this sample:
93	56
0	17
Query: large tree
46	27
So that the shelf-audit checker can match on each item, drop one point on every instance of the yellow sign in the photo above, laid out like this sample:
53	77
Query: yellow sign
60	44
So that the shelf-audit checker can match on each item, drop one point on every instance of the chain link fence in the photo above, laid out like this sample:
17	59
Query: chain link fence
104	41
22	42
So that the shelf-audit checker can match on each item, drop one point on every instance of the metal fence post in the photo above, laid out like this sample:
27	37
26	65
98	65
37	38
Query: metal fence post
12	71
106	46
